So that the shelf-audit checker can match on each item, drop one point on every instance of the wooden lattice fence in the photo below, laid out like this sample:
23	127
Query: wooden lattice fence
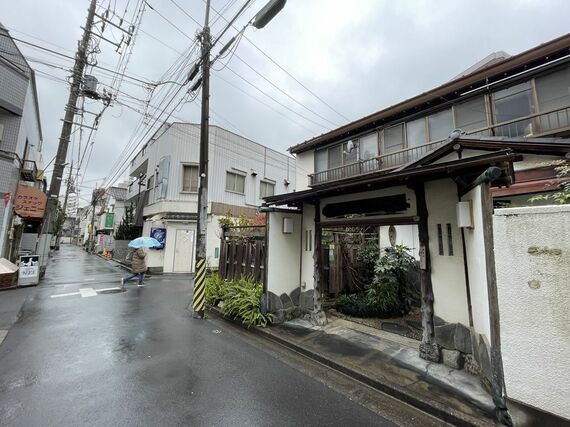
242	253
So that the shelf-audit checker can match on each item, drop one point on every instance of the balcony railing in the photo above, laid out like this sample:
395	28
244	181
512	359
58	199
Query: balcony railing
535	125
29	170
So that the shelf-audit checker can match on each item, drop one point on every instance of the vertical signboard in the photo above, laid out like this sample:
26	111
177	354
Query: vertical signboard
29	273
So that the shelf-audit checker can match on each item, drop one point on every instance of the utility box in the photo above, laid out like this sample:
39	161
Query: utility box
90	86
465	214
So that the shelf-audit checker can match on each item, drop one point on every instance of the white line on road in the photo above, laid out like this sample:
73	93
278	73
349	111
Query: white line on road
87	292
65	295
116	288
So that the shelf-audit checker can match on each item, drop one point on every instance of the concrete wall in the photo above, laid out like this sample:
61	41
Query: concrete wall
475	249
447	271
305	165
283	253
532	249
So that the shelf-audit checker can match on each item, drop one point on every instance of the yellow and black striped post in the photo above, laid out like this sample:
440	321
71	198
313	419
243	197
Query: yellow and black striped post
198	298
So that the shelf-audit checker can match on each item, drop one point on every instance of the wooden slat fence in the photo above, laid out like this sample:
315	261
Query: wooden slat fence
242	253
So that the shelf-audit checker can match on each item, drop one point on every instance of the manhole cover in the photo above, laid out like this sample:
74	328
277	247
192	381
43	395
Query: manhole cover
111	291
395	328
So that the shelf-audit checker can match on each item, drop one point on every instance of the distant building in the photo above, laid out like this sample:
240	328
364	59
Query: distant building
21	161
165	187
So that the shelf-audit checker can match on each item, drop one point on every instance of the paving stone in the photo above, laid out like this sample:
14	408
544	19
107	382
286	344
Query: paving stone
415	324
395	328
462	339
445	335
452	358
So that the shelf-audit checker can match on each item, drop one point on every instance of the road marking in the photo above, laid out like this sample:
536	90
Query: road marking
65	295
87	292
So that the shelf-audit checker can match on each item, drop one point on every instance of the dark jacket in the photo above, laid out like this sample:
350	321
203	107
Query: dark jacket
139	265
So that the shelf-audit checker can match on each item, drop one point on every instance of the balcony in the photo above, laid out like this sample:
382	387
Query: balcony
546	123
29	171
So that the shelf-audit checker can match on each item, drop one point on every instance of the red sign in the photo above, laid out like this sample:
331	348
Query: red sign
6	198
30	202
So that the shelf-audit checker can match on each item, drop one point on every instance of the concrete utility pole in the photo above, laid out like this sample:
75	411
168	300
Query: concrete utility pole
94	198
65	204
70	109
198	300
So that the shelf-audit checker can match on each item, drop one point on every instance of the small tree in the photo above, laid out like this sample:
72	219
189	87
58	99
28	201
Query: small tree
127	230
562	168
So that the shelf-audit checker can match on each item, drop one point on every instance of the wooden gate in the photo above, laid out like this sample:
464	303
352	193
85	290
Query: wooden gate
242	253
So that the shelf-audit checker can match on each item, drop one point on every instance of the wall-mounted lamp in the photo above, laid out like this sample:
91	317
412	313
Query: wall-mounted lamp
287	225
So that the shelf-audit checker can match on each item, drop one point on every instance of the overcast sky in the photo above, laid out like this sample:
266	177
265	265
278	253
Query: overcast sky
359	56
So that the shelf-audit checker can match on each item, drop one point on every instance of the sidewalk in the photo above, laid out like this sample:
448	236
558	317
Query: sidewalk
390	363
11	303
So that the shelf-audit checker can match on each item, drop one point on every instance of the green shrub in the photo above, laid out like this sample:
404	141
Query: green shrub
215	288
242	299
354	305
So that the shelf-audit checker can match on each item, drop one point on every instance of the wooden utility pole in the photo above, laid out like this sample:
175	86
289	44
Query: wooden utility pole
198	298
70	109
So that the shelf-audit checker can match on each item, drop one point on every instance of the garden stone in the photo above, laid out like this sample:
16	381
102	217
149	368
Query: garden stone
271	302
484	361
307	300
286	301
444	336
452	358
278	317
462	339
438	321
318	318
295	295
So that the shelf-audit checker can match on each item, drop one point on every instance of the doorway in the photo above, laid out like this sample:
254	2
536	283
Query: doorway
183	251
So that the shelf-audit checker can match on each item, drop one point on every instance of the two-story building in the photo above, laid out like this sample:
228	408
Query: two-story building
434	163
21	176
165	181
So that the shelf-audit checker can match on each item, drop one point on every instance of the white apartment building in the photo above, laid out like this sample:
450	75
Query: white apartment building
165	188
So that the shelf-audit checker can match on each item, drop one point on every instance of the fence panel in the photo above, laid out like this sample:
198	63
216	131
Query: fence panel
242	254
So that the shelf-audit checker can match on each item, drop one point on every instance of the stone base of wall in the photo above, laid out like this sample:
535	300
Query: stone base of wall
121	249
462	347
291	306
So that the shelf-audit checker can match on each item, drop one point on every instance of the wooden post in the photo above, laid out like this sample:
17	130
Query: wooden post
317	257
498	380
429	350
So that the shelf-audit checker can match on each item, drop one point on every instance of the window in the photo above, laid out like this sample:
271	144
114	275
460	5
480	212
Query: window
335	156
349	157
440	239
440	125
190	178
416	132
266	189
512	103
368	146
449	240
471	115
553	92
150	183
235	182
393	138
321	160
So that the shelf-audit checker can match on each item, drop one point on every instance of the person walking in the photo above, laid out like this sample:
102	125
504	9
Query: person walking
138	268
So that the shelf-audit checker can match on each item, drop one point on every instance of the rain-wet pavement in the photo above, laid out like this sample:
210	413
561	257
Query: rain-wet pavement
138	358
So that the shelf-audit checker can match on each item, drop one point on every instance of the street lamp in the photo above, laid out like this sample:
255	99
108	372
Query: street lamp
260	20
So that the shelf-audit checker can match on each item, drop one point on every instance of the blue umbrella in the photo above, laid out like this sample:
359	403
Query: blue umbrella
144	242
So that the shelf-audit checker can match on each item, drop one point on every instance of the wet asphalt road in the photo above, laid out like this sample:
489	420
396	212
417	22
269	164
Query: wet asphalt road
138	359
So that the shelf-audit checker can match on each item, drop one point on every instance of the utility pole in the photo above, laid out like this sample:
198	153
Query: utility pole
70	109
65	204
198	299
94	198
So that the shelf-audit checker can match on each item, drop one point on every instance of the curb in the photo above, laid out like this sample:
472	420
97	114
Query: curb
435	409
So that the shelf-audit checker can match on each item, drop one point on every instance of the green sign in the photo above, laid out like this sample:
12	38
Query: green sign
109	220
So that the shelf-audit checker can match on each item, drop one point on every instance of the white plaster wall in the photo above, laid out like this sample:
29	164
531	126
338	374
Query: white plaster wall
475	249
304	165
535	316
213	241
405	235
447	272
307	261
283	253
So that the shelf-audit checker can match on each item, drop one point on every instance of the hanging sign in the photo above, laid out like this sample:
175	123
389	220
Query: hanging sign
30	202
